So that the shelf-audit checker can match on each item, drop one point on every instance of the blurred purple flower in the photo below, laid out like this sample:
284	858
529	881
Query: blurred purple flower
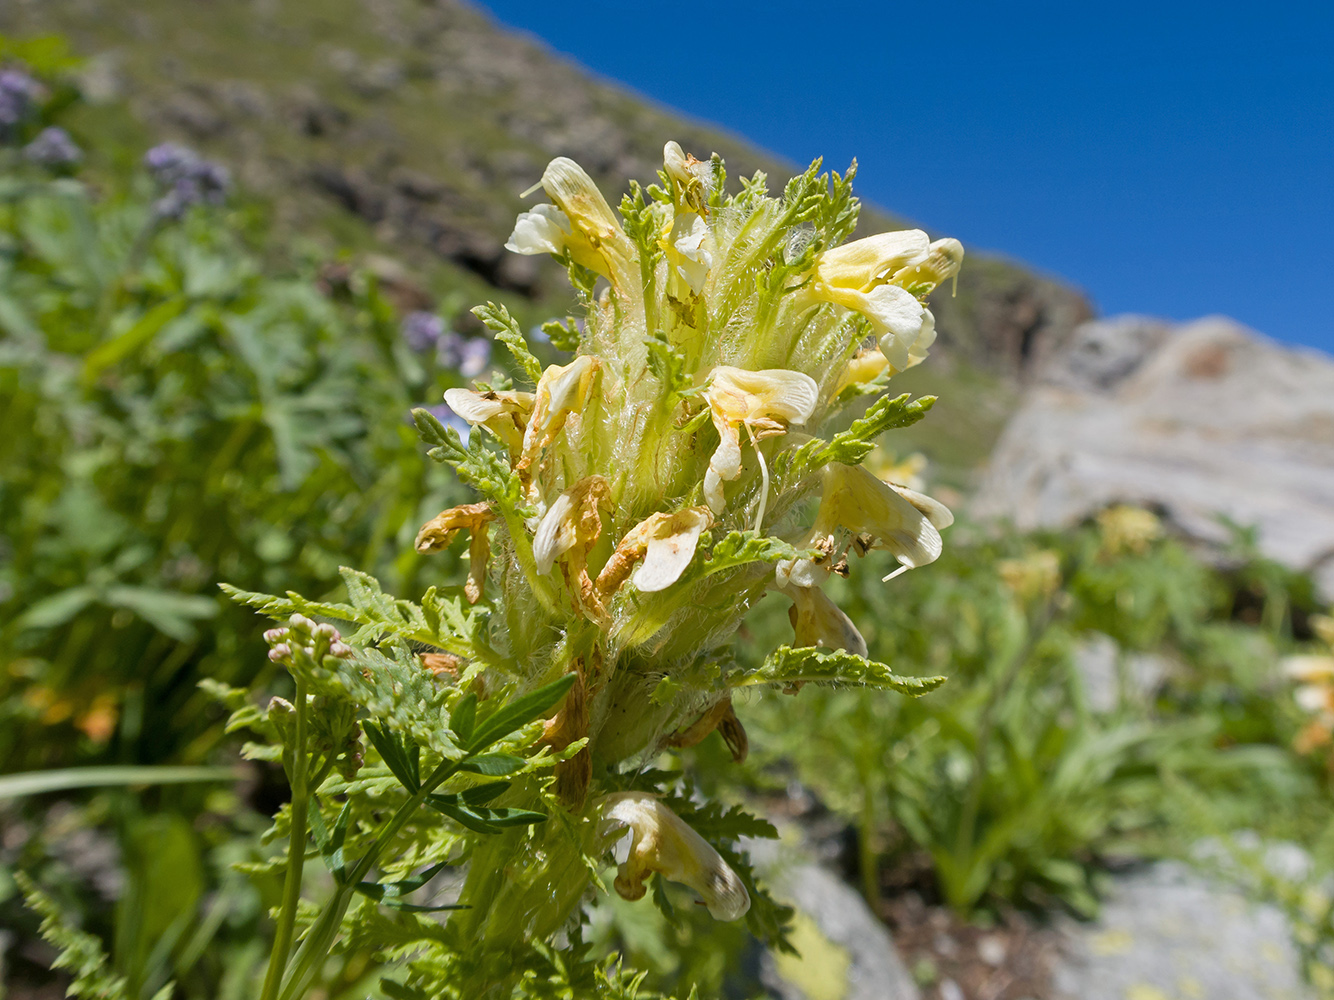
191	179
169	162
422	330
17	92
53	147
469	356
474	356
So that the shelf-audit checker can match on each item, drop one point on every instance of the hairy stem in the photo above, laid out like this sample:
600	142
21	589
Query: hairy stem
296	852
320	939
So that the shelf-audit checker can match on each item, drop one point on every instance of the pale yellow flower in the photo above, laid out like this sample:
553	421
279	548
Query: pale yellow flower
580	224
1037	574
860	276
562	390
1128	529
766	403
881	515
659	549
504	414
661	842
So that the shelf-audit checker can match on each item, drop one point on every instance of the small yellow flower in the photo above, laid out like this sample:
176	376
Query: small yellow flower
661	842
1037	574
766	403
664	542
1128	529
580	224
504	414
562	390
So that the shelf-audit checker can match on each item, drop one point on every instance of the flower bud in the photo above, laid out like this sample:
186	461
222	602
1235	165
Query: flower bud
275	635
280	653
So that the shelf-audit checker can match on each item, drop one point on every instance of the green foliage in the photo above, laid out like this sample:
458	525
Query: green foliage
1007	778
81	954
795	667
499	321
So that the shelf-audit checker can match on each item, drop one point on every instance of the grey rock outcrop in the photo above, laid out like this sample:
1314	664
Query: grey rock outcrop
1196	421
1168	933
846	952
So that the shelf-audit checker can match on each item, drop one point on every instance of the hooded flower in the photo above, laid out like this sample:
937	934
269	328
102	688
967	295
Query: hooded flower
818	621
562	390
504	414
664	542
765	403
864	276
567	532
580	224
687	242
690	178
881	515
662	843
439	531
943	260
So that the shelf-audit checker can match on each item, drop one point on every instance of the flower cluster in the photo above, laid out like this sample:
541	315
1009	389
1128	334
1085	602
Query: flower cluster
648	492
1314	674
188	178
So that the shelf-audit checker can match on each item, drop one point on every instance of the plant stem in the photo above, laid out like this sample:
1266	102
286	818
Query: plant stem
296	853
320	938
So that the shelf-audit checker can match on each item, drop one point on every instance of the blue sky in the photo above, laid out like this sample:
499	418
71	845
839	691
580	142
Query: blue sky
1173	159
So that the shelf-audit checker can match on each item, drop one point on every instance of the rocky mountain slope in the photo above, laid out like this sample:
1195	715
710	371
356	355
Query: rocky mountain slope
408	127
1205	419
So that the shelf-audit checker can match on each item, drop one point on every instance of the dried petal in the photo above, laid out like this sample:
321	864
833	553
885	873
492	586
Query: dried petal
439	531
562	390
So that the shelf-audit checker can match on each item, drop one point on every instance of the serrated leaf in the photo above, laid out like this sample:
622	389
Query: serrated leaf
564	335
519	713
499	321
852	445
484	470
811	664
738	548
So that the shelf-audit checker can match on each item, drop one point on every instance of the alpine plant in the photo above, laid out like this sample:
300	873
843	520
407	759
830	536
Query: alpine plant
701	447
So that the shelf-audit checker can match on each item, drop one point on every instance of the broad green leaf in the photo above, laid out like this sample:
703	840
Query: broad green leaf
519	713
40	782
